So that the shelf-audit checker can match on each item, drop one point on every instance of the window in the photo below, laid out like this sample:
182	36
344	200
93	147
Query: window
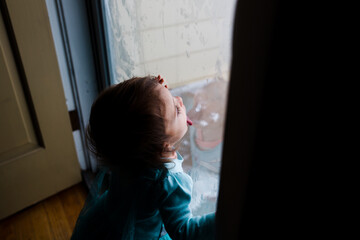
189	44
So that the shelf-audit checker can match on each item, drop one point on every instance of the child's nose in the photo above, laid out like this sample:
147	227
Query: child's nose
180	101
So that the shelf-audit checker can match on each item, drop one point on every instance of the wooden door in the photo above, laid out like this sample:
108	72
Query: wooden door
37	151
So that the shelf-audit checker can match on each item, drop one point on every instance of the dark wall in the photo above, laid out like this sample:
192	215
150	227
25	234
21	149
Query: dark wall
284	122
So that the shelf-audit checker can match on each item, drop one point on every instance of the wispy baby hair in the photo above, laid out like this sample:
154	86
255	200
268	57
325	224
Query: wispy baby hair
126	129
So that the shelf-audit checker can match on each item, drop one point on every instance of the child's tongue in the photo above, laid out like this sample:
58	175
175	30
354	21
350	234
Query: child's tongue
189	121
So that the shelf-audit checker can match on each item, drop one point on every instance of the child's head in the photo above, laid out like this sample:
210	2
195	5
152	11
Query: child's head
136	123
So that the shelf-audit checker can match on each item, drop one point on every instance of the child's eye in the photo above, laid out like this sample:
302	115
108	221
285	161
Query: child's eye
178	109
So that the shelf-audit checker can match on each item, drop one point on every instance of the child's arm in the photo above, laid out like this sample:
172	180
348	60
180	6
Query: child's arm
176	213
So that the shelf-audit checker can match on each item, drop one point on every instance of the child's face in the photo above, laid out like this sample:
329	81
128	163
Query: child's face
174	113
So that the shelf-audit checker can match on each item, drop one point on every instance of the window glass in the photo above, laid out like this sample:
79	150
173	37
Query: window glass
188	43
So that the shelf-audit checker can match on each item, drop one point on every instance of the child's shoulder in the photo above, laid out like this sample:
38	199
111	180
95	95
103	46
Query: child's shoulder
175	176
169	178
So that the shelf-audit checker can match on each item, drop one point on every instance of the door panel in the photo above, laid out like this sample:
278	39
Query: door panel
37	151
18	135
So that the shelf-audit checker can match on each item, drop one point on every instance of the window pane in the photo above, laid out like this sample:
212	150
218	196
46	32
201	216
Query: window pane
189	44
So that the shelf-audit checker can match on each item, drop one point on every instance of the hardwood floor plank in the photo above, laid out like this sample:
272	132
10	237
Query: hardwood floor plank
82	190
23	224
58	222
72	202
7	230
40	222
53	218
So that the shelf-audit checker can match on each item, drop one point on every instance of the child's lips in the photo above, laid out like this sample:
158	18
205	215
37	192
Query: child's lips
189	122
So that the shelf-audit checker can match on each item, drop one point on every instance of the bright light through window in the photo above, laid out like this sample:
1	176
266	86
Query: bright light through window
188	42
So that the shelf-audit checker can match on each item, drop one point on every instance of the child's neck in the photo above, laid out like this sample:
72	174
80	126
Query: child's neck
170	155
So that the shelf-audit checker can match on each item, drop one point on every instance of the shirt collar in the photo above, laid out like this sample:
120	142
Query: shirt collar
176	164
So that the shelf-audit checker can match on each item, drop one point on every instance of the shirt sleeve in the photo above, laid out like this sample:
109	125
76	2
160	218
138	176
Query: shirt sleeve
176	214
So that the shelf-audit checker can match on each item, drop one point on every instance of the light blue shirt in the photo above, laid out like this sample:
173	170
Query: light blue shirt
160	198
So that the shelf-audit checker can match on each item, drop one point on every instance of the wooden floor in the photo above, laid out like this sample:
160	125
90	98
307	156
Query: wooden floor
53	218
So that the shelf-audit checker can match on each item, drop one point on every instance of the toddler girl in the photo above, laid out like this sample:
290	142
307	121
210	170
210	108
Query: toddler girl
135	128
